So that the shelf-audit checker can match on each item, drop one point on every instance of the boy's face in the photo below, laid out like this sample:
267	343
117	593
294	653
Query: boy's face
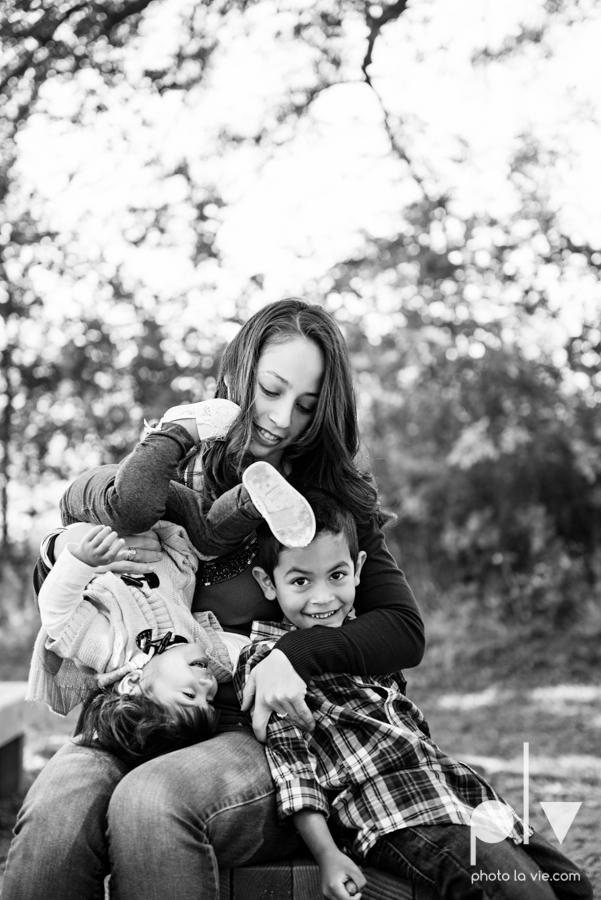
178	677
314	585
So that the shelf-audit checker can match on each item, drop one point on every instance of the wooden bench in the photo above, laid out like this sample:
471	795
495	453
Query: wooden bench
12	733
298	879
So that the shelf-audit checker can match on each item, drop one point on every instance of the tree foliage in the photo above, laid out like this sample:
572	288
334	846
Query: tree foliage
479	394
483	430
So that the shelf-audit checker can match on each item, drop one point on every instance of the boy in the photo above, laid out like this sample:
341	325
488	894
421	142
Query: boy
400	803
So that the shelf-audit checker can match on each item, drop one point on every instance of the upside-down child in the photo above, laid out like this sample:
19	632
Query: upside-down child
402	804
129	648
145	667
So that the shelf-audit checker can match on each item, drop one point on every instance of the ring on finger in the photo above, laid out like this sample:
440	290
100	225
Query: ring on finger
131	553
282	715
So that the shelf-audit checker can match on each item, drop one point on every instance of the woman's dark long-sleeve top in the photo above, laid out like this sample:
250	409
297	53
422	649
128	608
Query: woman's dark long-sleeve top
387	634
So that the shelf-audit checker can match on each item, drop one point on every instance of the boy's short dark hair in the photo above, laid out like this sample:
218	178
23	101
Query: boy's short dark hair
330	517
135	728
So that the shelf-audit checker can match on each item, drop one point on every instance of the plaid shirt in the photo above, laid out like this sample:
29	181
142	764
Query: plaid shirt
372	745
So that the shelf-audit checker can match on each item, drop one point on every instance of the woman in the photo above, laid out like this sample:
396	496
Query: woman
172	820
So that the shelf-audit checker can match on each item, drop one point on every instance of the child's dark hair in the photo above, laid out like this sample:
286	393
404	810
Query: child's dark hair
135	728
330	517
326	452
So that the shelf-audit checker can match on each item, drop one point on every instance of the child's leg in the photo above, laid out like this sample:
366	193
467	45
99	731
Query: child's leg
231	519
439	856
567	880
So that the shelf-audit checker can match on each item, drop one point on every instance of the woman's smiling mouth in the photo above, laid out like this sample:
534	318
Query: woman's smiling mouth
267	437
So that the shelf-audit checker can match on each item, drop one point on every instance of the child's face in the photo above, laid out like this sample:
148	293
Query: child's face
314	585
179	677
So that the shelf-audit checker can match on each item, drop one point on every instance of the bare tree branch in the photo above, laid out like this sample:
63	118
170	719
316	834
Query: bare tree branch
375	24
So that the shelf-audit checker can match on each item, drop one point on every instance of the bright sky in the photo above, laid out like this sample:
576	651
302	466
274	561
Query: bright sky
294	211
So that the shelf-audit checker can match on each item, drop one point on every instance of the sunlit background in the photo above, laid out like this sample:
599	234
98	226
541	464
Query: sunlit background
427	171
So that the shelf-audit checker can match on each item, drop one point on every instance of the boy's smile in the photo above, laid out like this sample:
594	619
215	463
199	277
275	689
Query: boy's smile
314	585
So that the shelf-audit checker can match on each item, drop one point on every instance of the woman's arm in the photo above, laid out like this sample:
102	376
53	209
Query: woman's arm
386	636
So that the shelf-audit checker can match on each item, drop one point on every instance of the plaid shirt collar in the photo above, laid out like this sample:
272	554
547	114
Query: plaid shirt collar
271	631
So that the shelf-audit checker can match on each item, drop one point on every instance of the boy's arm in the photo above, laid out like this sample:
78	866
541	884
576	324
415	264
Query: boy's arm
298	792
340	877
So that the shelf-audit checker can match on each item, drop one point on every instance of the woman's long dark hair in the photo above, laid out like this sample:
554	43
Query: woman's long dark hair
329	446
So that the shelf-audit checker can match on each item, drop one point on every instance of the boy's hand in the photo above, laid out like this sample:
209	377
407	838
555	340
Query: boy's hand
276	687
340	877
101	546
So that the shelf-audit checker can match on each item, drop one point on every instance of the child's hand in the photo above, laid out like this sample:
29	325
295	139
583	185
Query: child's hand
101	546
340	877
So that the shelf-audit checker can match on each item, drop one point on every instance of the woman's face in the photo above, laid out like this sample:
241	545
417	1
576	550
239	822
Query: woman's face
289	376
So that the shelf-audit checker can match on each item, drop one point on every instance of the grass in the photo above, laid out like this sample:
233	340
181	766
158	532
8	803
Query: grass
486	689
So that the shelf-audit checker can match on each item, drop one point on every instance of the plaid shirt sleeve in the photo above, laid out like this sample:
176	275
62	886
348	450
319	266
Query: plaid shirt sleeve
293	769
291	763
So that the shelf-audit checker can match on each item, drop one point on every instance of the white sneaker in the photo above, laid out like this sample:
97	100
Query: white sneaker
213	418
287	513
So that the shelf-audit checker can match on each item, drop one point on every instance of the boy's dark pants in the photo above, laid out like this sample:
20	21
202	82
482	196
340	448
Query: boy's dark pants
439	856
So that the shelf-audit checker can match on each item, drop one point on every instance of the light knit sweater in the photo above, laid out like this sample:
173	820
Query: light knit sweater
100	634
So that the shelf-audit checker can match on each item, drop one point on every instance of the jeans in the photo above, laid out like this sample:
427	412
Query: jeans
439	856
171	822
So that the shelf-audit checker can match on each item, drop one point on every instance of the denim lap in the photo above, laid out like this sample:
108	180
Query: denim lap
173	821
59	849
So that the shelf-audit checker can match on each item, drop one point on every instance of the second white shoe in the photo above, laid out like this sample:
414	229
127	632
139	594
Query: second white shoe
213	418
287	513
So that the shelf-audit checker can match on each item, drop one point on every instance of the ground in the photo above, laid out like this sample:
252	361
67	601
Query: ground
482	705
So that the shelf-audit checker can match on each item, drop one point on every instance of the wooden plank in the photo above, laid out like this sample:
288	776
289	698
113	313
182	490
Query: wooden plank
298	879
11	766
305	880
12	710
270	881
12	730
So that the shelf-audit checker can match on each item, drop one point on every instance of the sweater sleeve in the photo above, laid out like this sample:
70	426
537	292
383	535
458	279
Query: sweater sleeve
386	636
62	592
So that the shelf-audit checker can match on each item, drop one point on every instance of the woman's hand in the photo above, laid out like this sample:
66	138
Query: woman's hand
276	687
146	544
148	553
340	877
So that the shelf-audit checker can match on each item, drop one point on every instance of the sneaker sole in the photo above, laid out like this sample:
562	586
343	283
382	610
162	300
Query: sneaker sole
287	513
